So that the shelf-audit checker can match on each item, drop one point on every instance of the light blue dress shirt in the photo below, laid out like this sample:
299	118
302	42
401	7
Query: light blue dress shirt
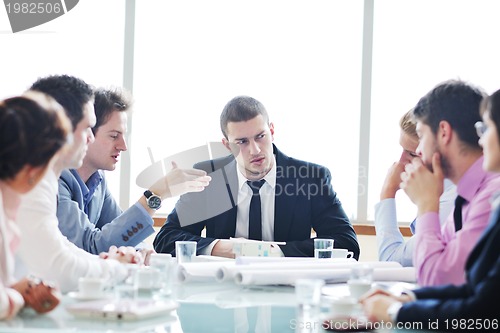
390	242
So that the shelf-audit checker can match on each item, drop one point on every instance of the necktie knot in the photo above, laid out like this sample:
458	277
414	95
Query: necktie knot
256	185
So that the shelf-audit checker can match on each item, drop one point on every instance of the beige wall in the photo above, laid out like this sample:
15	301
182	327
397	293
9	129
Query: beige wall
368	246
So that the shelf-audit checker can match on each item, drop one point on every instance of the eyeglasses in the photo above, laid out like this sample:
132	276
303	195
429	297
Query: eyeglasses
480	128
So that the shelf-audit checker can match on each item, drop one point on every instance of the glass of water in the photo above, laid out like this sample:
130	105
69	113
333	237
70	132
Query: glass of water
323	248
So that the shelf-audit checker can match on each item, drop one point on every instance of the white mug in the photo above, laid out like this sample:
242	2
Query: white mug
358	288
146	278
343	307
341	253
91	286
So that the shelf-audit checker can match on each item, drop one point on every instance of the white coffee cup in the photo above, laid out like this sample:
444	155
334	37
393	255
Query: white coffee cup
91	286
358	288
146	278
343	306
165	265
341	253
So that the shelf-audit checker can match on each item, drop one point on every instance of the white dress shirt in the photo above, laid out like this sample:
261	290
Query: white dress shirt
267	199
45	252
267	195
10	300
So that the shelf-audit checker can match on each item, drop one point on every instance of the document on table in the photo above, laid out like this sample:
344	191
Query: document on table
247	247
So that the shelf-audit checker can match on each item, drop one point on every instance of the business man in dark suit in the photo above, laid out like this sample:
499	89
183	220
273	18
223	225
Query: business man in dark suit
293	196
474	304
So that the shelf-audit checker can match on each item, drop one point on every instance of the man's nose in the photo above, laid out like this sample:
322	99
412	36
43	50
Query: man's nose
254	147
90	136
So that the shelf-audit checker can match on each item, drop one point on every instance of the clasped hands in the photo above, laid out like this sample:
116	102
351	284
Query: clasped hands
376	303
39	295
423	186
128	255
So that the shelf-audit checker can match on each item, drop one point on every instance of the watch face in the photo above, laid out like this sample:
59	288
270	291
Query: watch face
154	202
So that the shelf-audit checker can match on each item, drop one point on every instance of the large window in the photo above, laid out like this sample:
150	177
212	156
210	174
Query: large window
301	59
86	42
427	42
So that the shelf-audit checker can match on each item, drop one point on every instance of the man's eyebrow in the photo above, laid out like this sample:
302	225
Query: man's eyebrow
116	131
260	133
239	139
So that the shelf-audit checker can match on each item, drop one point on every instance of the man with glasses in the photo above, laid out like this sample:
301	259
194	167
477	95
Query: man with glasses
448	148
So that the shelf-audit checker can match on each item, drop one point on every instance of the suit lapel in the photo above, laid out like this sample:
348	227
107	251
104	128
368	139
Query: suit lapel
478	248
283	204
231	179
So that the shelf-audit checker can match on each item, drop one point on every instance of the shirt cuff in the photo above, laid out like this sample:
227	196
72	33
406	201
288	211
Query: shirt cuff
208	250
142	209
410	294
393	310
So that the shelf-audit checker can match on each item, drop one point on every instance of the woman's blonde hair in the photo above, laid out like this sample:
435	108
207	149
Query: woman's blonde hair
407	124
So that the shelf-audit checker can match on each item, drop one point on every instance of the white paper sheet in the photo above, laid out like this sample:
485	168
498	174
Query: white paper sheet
228	272
289	276
200	271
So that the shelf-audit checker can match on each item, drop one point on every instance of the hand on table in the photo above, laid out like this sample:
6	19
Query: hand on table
376	302
403	298
223	248
146	254
375	307
40	296
124	254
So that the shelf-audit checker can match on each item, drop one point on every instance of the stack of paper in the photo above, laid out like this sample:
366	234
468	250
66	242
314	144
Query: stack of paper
285	271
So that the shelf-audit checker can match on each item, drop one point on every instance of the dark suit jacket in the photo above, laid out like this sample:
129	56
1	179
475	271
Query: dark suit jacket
304	200
477	298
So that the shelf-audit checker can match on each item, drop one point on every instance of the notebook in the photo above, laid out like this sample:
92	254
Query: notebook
121	309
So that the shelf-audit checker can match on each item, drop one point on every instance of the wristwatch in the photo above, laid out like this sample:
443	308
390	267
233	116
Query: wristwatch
153	201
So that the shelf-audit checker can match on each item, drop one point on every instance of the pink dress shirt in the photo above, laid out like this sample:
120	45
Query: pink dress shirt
440	252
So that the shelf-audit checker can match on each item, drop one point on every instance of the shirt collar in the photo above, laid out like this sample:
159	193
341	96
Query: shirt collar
270	178
472	179
88	188
495	200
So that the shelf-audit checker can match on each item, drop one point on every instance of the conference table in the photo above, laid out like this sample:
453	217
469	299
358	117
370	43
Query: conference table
202	307
246	295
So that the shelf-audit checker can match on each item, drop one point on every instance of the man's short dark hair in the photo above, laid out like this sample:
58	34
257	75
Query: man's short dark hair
241	108
456	102
71	92
107	101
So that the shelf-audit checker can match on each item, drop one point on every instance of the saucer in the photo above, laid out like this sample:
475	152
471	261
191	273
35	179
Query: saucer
76	295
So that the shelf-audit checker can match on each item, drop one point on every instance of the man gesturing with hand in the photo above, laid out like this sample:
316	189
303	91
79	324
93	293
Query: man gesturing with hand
87	212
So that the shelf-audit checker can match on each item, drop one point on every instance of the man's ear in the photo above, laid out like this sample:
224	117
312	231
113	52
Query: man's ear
271	129
225	142
445	132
